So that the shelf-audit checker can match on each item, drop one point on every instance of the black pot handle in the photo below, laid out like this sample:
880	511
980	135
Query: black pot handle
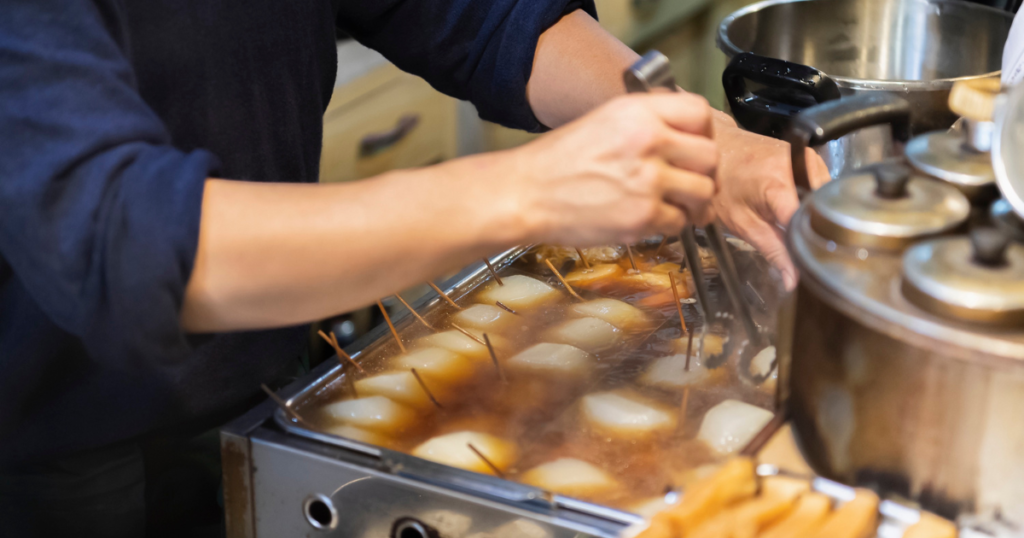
788	88
835	119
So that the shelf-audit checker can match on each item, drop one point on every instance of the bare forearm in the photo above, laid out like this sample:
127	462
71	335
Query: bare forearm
281	254
577	66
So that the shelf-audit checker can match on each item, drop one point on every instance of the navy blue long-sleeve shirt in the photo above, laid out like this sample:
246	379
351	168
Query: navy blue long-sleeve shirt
112	115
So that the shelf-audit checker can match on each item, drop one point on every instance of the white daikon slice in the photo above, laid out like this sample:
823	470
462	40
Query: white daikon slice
462	344
358	434
551	358
485	317
401	387
453	449
761	364
590	334
570	476
375	413
618	313
623	416
730	425
671	373
519	292
436	365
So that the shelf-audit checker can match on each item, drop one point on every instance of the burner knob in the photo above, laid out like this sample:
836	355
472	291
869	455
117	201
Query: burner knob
989	246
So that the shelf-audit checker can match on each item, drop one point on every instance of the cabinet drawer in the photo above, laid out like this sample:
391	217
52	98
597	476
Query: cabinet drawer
402	123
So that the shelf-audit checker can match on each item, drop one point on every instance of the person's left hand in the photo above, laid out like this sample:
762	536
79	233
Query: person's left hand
756	195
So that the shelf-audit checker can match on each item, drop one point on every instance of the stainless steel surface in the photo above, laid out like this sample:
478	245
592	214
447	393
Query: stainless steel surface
913	48
851	210
1007	144
946	276
886	394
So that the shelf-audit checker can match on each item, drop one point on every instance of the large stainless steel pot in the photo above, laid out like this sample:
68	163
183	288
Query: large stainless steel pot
790	54
903	364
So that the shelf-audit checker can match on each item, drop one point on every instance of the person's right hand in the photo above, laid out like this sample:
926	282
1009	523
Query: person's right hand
637	166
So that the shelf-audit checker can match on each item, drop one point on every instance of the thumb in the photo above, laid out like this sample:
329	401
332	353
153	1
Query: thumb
782	202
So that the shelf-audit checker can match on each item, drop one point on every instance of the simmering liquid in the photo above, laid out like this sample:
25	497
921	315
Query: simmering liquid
541	414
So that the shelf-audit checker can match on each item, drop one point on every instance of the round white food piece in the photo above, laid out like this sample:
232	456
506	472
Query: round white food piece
485	317
590	334
730	425
618	313
570	476
671	373
453	449
457	342
761	364
401	387
357	434
623	416
520	292
436	365
375	413
551	358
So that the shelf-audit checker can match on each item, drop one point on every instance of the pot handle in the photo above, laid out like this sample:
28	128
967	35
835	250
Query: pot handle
833	120
788	88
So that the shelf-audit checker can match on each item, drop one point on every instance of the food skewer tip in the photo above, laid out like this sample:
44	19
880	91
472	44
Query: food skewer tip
284	405
493	272
494	359
414	313
483	458
443	295
423	385
562	280
391	326
342	356
586	264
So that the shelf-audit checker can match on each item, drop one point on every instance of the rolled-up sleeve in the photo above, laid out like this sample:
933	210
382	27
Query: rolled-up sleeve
99	213
478	50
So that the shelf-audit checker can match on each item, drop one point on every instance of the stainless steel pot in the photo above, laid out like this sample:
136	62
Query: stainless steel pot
914	48
903	364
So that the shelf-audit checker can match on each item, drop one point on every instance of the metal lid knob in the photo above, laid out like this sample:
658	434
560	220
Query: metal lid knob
989	247
891	181
887	207
975	99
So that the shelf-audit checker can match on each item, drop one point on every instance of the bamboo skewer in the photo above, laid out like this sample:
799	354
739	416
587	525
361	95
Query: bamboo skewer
686	402
443	295
342	356
423	385
586	264
469	334
418	317
689	348
632	261
493	272
664	241
483	458
284	405
679	307
502	306
387	318
562	280
494	359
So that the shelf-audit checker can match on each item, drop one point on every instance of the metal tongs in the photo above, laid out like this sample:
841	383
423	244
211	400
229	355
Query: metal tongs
652	71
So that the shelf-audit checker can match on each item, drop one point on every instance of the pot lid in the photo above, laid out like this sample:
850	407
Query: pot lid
947	155
886	206
1007	157
977	278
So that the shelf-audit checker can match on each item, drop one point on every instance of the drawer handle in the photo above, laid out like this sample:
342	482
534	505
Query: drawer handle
375	143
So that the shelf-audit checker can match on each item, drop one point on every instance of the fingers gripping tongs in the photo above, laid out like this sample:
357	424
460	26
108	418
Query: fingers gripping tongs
653	70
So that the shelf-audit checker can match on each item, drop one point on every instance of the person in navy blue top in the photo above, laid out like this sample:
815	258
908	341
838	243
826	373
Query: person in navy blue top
164	241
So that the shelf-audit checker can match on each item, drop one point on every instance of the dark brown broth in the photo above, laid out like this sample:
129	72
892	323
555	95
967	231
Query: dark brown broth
541	415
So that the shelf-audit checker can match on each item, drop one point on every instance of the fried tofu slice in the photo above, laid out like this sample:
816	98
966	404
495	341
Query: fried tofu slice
807	515
855	519
735	481
453	449
931	526
572	477
520	292
746	519
597	274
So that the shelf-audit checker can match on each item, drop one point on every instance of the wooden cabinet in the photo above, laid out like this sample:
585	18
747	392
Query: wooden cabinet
383	121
